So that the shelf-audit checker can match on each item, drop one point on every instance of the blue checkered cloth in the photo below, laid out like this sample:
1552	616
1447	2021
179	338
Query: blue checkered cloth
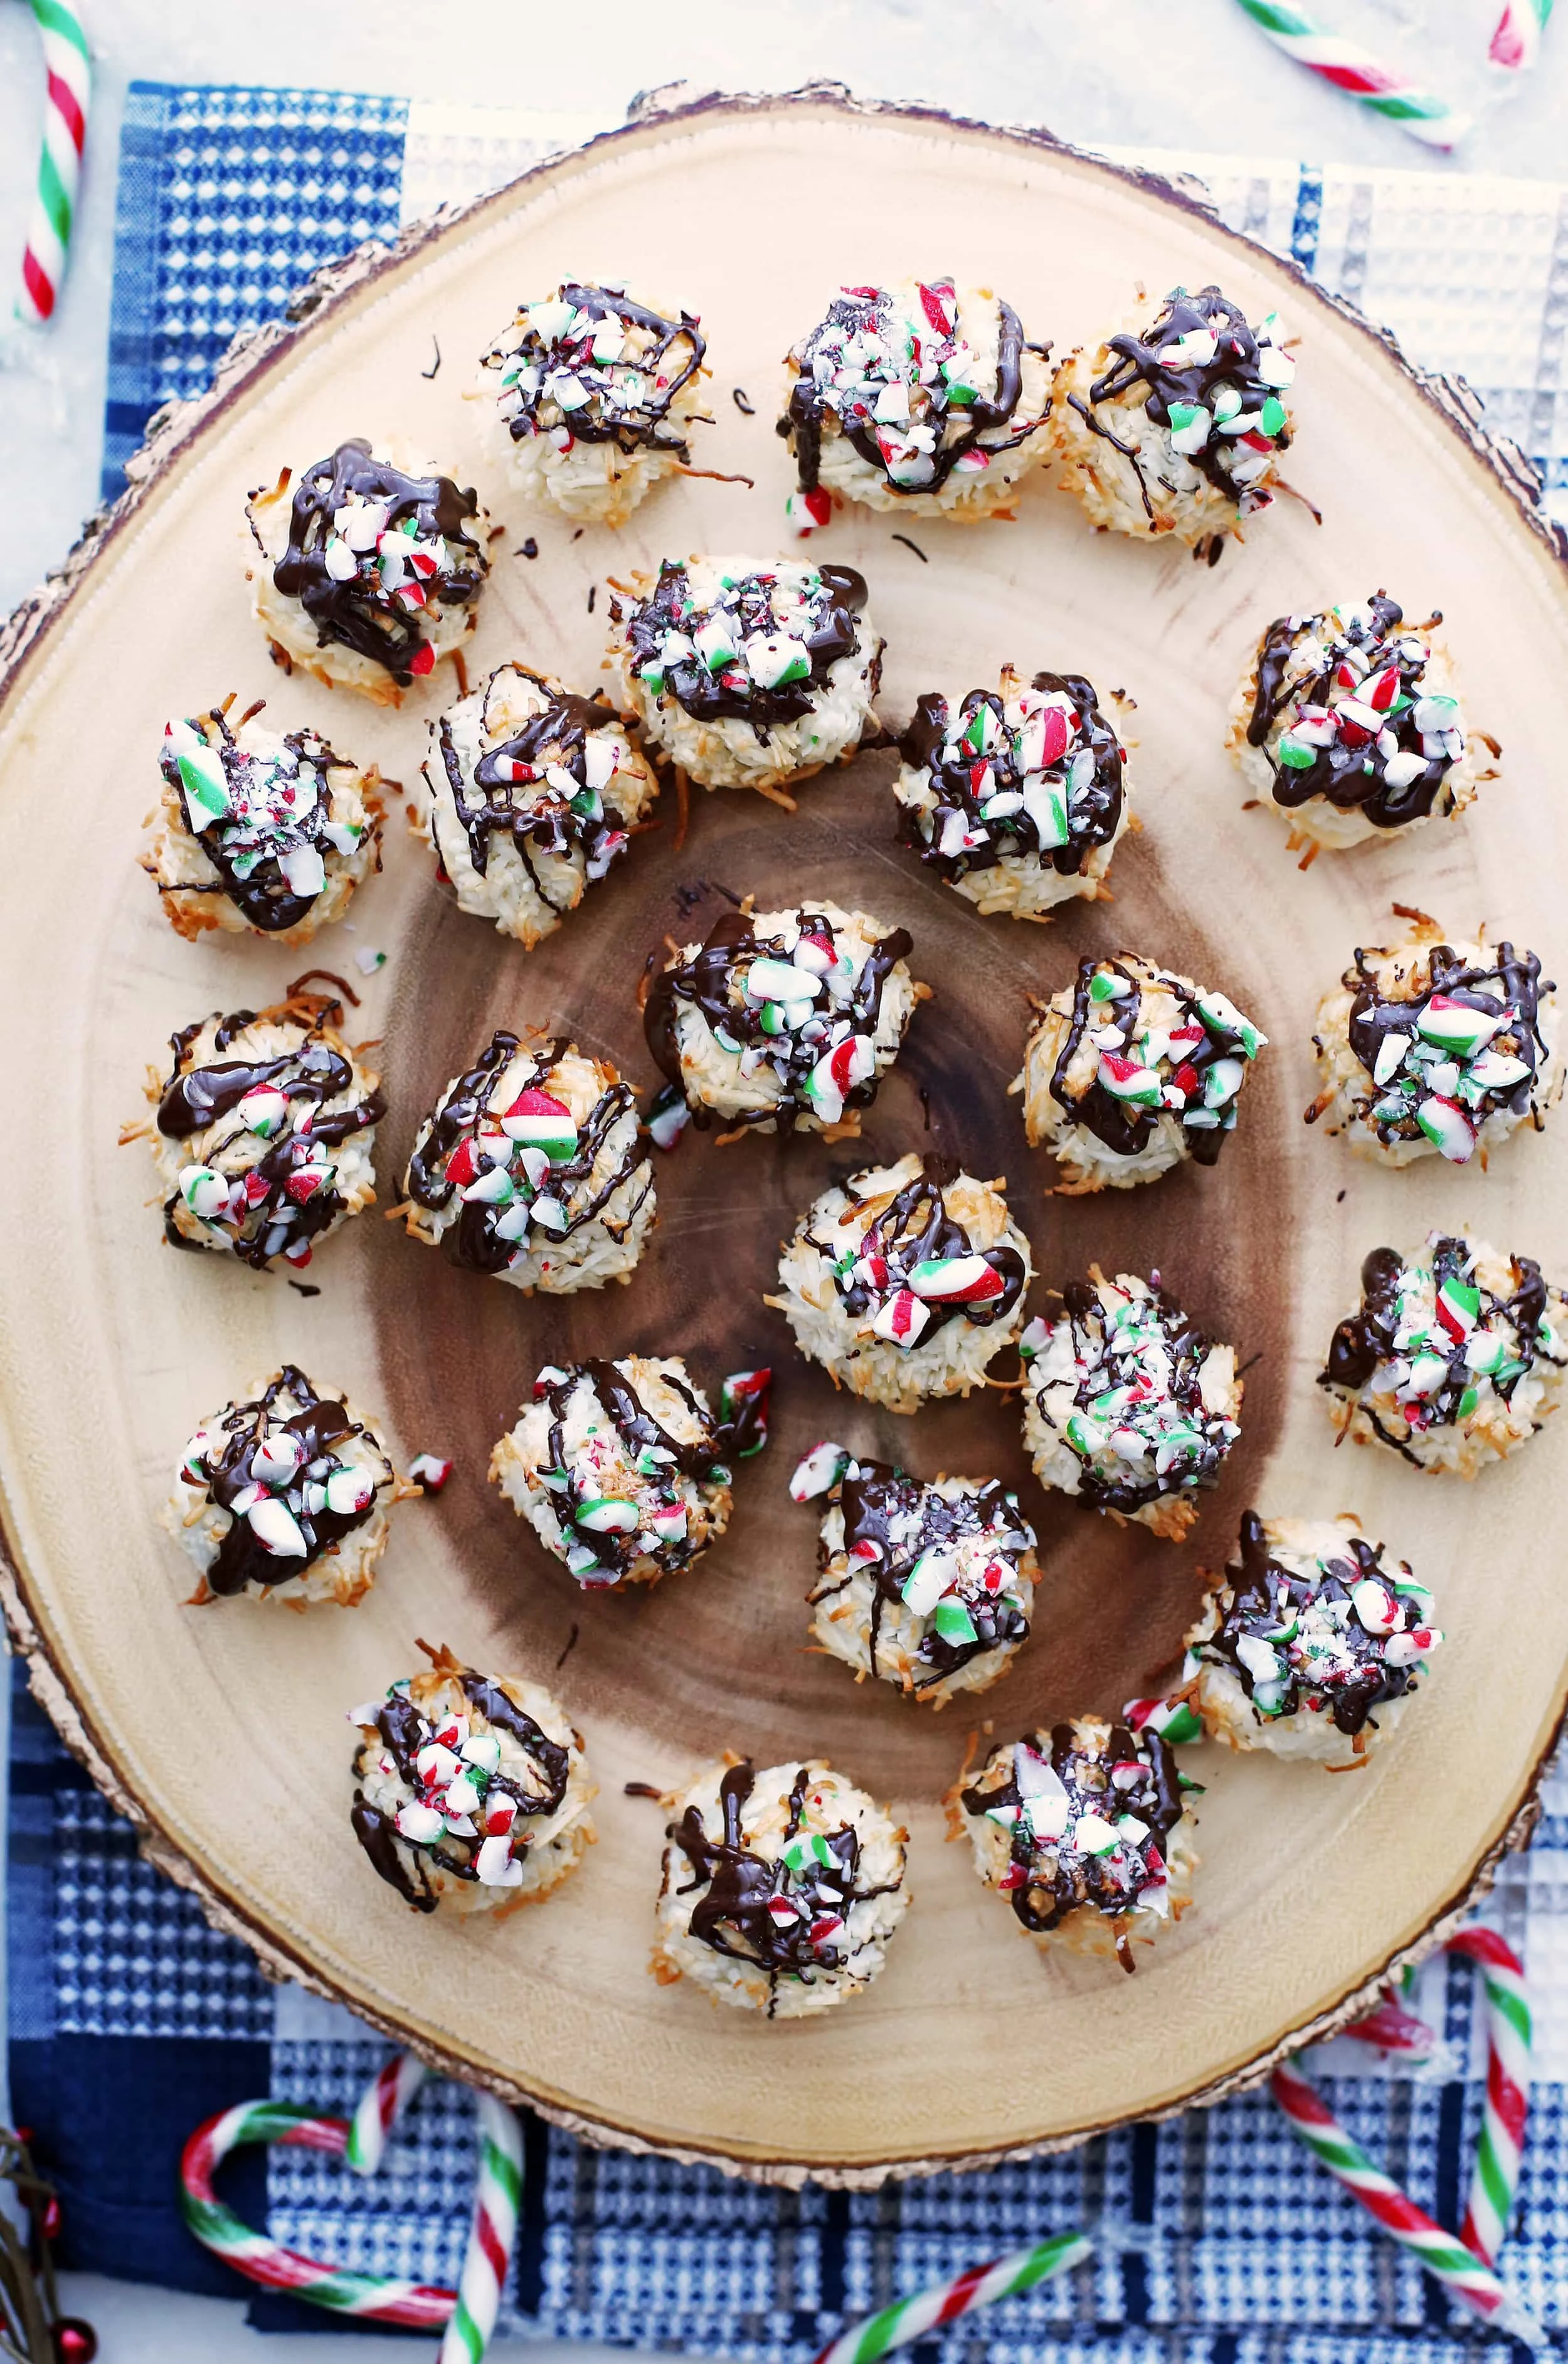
130	2021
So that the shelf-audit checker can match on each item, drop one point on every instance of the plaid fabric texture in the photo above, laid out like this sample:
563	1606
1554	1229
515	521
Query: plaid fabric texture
1221	2242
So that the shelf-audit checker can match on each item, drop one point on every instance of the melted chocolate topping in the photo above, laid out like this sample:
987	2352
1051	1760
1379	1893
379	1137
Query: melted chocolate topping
1351	772
1113	1358
475	1241
704	982
315	1428
903	1520
508	790
280	806
403	1732
968	779
916	1228
829	631
954	426
735	1916
356	612
1250	1604
1048	1880
200	1094
1124	1126
628	403
623	1409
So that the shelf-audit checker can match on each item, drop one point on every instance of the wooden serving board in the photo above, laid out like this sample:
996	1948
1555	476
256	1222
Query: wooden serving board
222	1731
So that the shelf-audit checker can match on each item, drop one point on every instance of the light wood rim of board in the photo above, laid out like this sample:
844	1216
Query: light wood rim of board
177	434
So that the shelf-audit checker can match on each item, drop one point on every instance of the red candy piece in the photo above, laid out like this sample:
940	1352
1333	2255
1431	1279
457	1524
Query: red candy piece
423	660
1053	723
1185	1078
461	1167
534	1102
75	2342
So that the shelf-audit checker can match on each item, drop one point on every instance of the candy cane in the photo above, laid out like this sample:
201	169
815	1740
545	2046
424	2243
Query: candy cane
468	2313
496	2205
380	2105
931	2310
70	74
1359	75
1463	2264
216	2227
1516	43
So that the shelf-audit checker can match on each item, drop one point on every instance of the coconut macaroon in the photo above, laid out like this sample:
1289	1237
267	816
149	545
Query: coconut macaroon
1348	724
1126	1404
747	675
264	1132
259	830
1086	1830
1132	1070
1174	425
1017	797
927	1585
531	793
781	1020
1436	1049
906	1281
593	397
285	1495
923	397
1454	1357
370	568
781	1889
470	1791
1311	1643
530	1167
621	1469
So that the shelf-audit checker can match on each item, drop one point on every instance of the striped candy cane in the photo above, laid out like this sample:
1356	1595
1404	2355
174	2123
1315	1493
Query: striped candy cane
1464	2265
496	2205
1516	43
70	74
1359	75
467	2313
380	2105
932	2310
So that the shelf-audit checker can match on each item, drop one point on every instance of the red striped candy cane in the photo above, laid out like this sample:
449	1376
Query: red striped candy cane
380	2106
495	2204
1515	42
70	85
1463	2264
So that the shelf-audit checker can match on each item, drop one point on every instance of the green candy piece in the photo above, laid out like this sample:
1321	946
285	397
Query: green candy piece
1468	1402
202	780
1297	755
953	1621
1274	415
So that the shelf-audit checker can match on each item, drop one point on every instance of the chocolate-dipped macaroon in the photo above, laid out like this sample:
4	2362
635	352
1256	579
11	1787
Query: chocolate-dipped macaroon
284	1495
1175	423
781	1889
531	1167
258	830
369	567
593	396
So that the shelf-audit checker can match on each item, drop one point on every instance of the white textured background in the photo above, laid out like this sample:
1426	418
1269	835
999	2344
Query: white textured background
1183	74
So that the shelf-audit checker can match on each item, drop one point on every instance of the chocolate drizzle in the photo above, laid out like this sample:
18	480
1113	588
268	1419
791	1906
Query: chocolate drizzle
618	1404
509	789
474	1243
317	1429
916	1228
628	400
1367	1338
1113	1359
903	1519
200	1094
357	613
403	1731
1049	1879
1511	987
1351	772
1151	364
954	427
712	981
280	806
966	781
1260	1597
830	629
734	1915
1125	1128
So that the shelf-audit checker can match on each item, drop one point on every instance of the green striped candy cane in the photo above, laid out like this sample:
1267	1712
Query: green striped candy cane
932	2310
